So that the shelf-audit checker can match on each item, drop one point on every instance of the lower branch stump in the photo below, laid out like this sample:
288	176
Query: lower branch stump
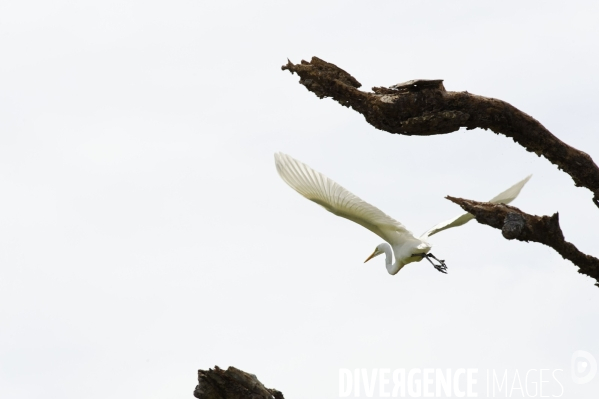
231	384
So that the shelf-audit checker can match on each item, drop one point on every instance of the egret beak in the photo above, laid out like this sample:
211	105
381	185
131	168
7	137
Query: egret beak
371	256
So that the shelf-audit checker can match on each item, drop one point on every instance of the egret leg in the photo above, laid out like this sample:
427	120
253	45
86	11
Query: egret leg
442	267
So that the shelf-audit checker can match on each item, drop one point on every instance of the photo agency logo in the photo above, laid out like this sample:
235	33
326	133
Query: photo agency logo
465	382
410	383
583	368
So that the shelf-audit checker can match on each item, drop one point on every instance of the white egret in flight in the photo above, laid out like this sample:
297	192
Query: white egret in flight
400	241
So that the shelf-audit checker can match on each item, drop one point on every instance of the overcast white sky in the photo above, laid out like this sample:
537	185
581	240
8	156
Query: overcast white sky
145	234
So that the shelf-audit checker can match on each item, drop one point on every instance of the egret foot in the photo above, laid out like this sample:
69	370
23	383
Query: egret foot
442	267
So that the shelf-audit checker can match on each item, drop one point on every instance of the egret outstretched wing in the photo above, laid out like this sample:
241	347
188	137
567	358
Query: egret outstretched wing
505	197
325	192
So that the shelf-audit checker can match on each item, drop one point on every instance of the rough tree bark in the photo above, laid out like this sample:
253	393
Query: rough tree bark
425	108
231	384
518	225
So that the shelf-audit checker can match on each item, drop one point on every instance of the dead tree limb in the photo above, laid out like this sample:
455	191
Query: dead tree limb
231	384
517	225
425	108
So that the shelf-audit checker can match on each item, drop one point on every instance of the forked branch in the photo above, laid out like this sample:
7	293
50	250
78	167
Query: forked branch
425	108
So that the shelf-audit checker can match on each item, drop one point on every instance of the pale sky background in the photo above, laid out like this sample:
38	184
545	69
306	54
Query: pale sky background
145	234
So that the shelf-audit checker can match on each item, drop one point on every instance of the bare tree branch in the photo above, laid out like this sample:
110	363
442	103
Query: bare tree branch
425	108
517	225
231	384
